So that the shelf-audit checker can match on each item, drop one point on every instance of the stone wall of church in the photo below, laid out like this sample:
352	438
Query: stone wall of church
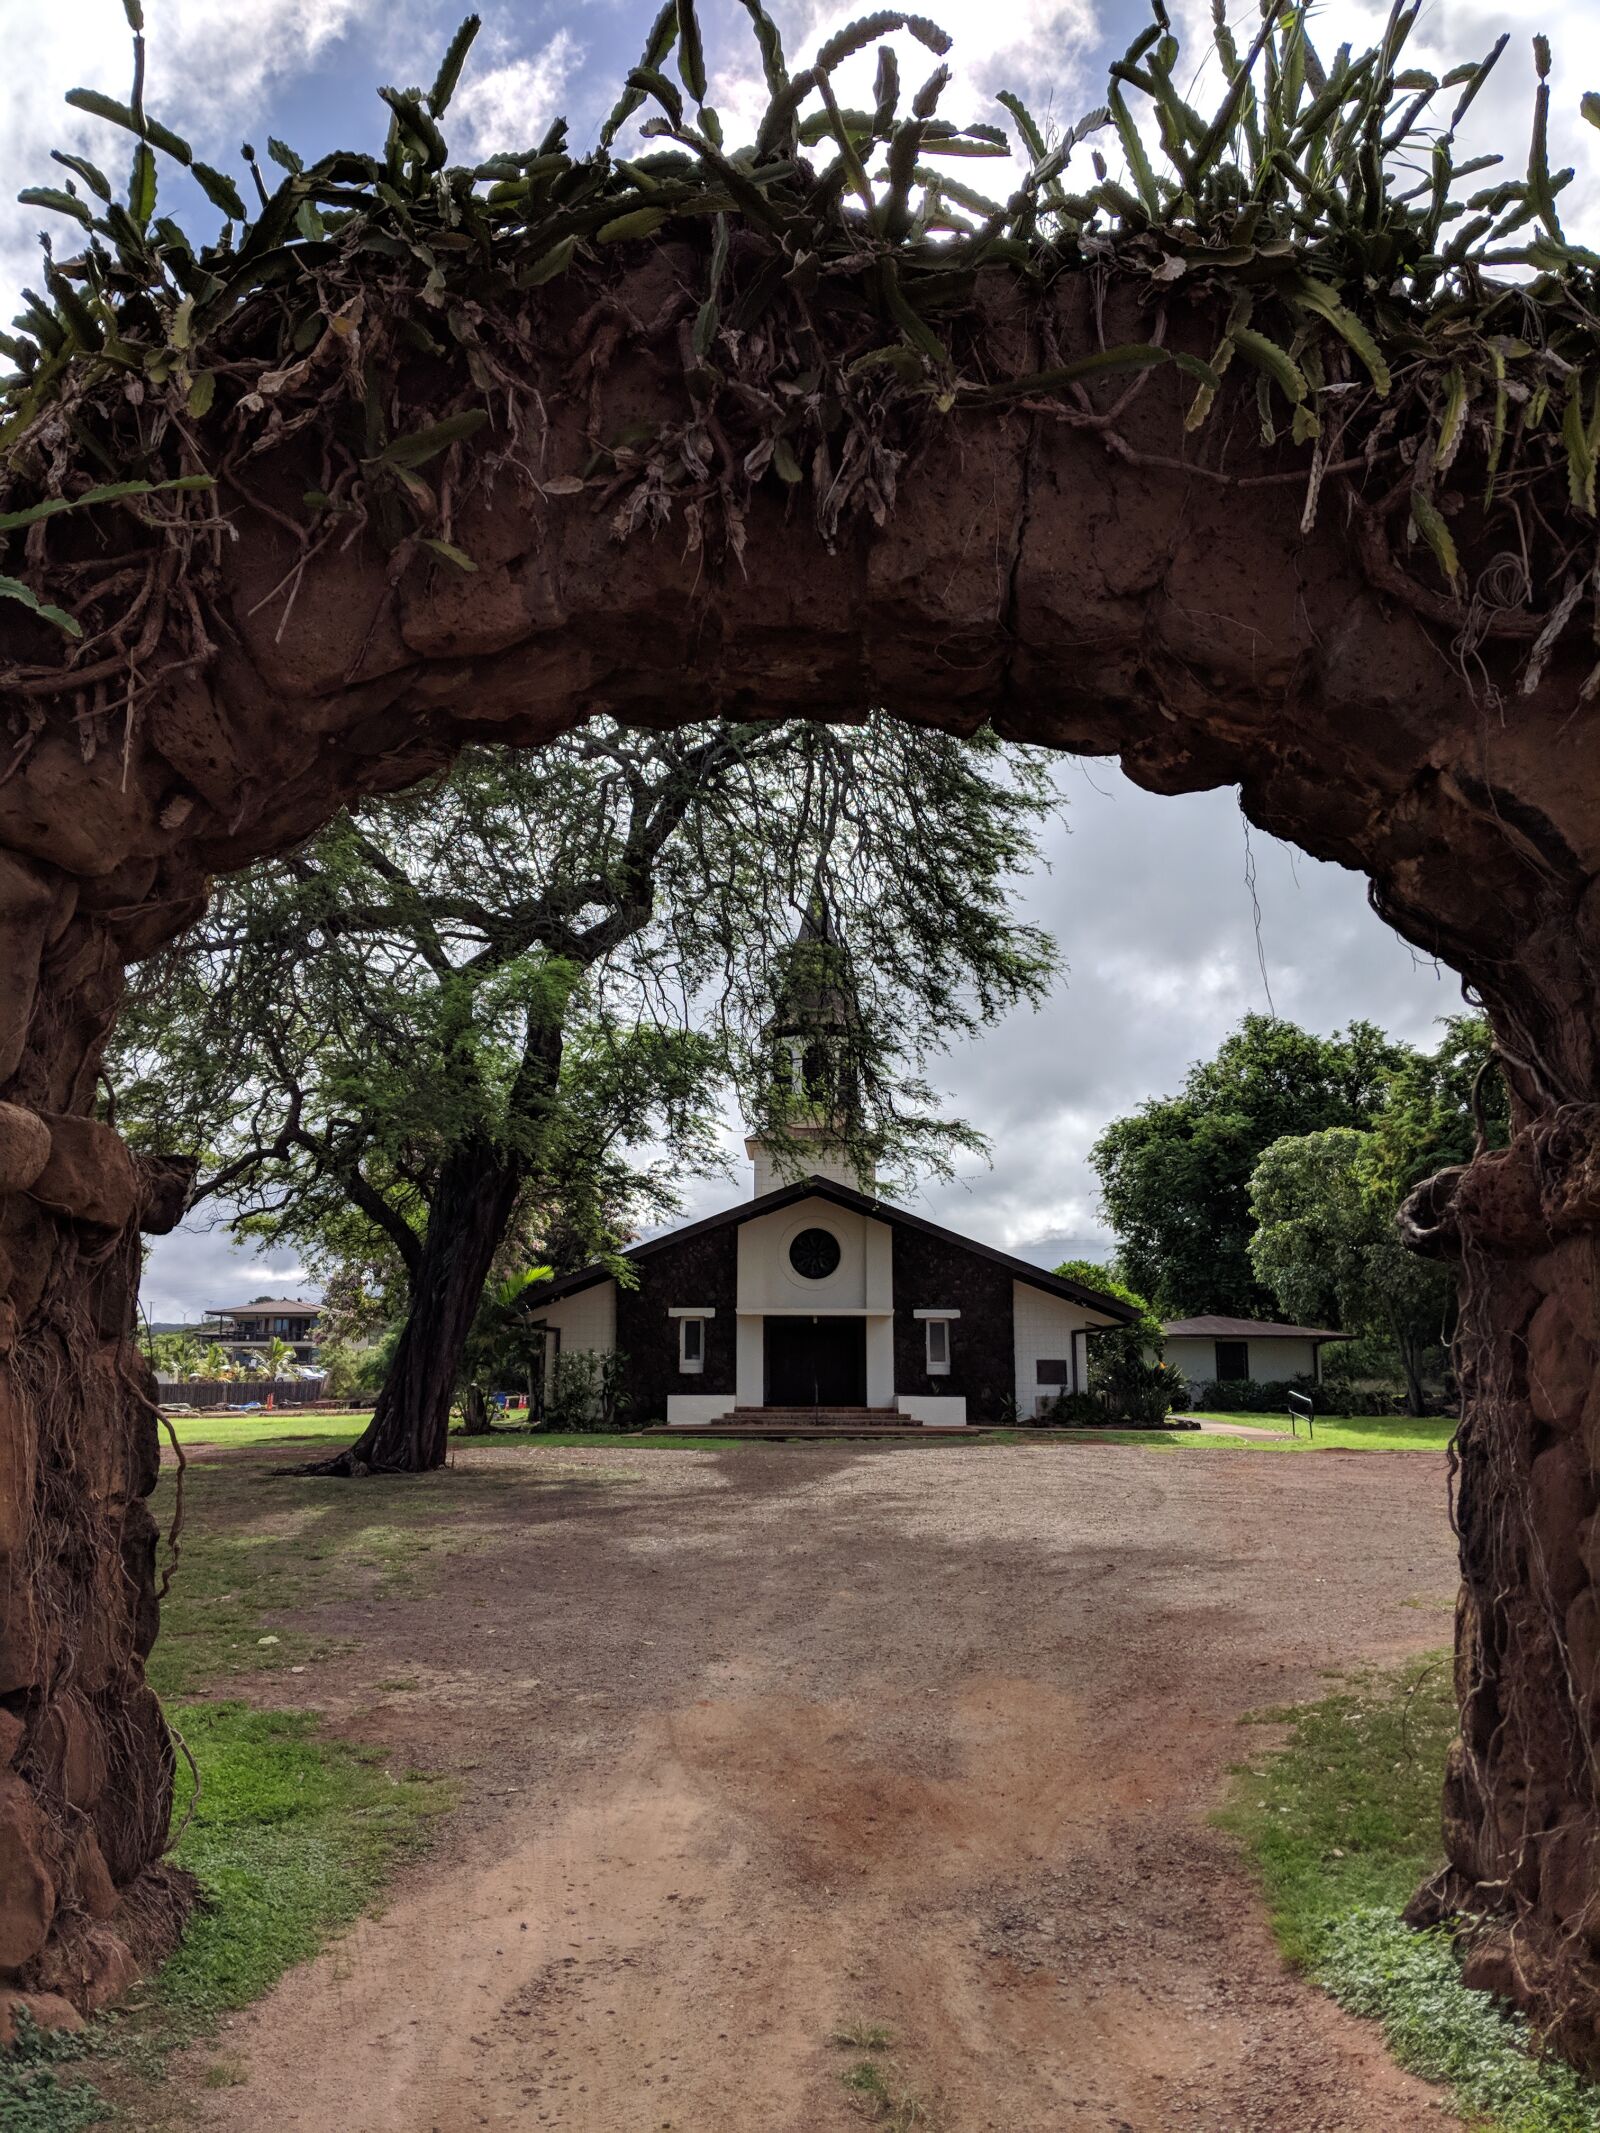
702	1271
931	1275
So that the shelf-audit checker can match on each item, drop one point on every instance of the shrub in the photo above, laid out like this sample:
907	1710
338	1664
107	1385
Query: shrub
1075	1410
1135	1394
1270	1396
586	1391
1143	1393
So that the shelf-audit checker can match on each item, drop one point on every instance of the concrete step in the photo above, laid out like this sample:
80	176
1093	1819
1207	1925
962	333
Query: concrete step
833	1417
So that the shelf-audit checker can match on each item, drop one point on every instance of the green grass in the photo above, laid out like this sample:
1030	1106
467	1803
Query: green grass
292	1838
863	2037
283	1426
286	1430
259	1548
1371	1433
1343	1823
1335	1433
36	2095
1349	1433
878	2096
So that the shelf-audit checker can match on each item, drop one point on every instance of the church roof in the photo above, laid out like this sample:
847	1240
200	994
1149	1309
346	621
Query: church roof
817	1188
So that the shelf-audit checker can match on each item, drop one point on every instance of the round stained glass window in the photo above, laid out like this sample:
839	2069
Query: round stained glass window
814	1254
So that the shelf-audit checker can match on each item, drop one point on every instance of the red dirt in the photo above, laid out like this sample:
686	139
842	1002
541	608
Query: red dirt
768	1742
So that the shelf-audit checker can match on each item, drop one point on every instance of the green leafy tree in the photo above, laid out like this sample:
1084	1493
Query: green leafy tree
1125	1366
457	1016
1175	1174
1437	1104
1115	1342
178	1355
1326	1246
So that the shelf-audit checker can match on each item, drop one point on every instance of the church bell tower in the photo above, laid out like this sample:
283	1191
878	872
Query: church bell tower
810	1043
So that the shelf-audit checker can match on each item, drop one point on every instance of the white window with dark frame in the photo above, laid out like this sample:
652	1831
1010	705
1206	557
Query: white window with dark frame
691	1339
936	1335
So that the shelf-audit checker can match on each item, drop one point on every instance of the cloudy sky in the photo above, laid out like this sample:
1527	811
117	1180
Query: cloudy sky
1148	897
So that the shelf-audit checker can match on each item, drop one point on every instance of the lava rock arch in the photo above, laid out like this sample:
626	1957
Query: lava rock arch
1060	577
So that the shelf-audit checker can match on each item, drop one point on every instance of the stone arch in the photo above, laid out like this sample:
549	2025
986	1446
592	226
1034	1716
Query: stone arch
1042	566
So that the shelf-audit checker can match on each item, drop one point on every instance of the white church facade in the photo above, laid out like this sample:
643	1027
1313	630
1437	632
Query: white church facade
818	1299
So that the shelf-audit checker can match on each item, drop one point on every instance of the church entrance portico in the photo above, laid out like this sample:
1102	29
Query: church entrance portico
815	1361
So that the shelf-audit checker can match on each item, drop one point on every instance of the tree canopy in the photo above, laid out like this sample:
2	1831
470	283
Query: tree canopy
1175	1174
1326	1246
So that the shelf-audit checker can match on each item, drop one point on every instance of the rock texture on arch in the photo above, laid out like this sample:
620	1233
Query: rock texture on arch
1033	572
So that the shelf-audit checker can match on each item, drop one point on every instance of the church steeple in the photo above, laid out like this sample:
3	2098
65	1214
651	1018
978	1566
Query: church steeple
811	1040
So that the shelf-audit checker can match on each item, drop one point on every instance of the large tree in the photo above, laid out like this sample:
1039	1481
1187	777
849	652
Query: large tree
1326	1204
1175	1174
1327	1248
471	1006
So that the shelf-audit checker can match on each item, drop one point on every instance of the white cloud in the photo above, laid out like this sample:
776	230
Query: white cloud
1500	119
509	105
209	69
1035	47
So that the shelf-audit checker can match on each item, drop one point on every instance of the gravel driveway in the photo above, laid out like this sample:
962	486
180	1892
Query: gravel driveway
760	1745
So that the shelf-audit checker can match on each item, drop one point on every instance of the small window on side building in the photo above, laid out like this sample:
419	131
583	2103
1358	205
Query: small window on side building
1054	1370
691	1344
1233	1361
938	1347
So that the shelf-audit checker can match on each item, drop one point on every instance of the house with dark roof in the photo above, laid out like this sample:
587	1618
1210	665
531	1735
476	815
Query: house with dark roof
1220	1350
818	1300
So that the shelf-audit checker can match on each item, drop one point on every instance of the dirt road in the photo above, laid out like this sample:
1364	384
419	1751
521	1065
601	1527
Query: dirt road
757	1746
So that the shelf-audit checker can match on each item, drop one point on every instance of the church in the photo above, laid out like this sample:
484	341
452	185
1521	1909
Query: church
816	1301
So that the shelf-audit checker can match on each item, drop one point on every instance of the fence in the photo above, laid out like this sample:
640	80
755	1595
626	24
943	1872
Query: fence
249	1392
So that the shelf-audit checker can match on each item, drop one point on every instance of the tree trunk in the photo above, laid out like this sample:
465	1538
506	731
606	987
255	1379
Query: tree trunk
1522	1803
1416	1394
474	1412
467	1221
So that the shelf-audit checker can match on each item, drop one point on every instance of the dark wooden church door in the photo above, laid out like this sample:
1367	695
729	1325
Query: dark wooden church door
816	1362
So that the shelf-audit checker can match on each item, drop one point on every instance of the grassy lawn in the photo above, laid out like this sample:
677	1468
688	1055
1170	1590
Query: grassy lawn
297	1436
1375	1433
287	1429
1335	1433
1343	1823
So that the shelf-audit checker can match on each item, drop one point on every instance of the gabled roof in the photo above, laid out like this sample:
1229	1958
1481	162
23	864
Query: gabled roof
285	1306
1247	1329
816	1188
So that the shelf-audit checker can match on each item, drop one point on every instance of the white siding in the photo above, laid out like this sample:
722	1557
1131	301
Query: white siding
587	1322
880	1362
1273	1357
1046	1325
750	1363
934	1410
861	1282
693	1410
